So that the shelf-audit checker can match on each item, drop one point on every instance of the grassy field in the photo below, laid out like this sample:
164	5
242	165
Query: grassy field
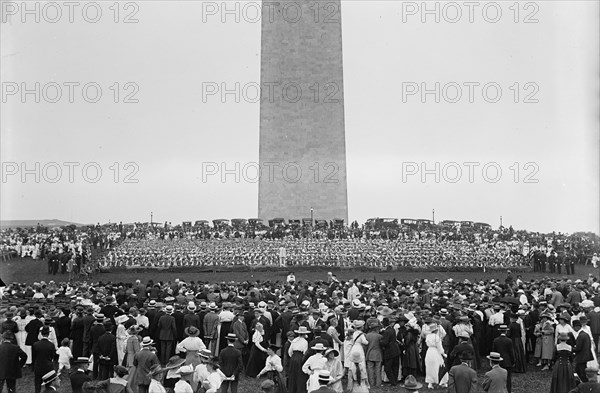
28	270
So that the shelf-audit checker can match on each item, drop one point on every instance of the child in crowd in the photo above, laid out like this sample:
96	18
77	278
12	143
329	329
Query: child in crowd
64	355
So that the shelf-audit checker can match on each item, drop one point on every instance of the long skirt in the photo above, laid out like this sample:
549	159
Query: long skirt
256	362
520	360
563	379
277	378
434	361
297	379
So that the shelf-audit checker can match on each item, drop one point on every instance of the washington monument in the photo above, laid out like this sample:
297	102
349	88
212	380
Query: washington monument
302	150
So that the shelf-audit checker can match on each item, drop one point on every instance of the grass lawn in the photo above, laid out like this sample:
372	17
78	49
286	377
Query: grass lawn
29	271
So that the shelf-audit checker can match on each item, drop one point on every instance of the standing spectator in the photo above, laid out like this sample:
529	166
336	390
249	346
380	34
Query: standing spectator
81	374
107	349
132	345
495	380
64	356
357	375
12	359
462	378
96	331
434	359
144	362
374	355
391	352
43	354
336	370
167	334
563	379
504	346
582	350
230	360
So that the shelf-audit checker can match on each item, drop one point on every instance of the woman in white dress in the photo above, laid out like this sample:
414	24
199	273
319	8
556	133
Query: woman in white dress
434	360
312	366
22	320
122	337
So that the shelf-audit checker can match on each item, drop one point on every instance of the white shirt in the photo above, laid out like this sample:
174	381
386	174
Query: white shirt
183	387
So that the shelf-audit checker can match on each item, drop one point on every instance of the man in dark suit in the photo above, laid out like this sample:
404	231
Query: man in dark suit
43	354
462	348
594	318
391	351
33	328
582	350
230	360
81	374
107	347
591	386
241	332
96	331
88	321
504	346
496	379
462	378
167	334
12	359
143	361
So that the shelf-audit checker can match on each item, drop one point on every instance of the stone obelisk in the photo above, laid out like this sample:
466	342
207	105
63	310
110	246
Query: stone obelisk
302	150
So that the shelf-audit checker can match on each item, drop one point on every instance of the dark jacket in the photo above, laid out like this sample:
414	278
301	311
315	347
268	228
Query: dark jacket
167	328
462	379
230	360
586	387
504	346
389	344
43	354
12	358
96	331
33	330
107	346
583	348
143	361
78	378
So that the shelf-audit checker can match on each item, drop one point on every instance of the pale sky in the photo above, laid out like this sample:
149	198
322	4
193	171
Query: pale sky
171	132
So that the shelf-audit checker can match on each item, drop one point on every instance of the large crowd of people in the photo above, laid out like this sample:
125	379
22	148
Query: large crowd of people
84	250
301	336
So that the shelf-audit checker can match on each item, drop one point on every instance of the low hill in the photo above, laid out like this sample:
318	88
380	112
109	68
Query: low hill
32	223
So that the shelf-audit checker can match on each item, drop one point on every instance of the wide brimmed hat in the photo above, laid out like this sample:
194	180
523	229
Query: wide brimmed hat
134	329
213	306
330	350
192	331
358	323
205	353
49	377
411	383
155	369
191	307
169	309
146	341
302	330
174	362
495	356
185	370
319	347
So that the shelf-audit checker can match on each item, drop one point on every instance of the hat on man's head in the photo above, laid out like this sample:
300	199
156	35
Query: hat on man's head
495	357
49	377
192	331
81	360
324	377
146	342
411	383
231	337
205	353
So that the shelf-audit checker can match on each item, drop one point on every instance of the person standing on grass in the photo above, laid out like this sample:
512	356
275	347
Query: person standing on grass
582	350
12	360
504	347
43	354
495	380
462	378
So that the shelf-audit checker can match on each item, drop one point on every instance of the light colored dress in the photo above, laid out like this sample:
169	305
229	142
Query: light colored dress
434	359
22	335
121	342
311	367
336	370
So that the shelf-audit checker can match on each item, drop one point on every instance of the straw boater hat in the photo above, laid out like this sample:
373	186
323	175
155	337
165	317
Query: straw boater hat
185	370
411	383
205	353
49	377
324	377
495	356
318	347
358	323
146	342
231	337
81	360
